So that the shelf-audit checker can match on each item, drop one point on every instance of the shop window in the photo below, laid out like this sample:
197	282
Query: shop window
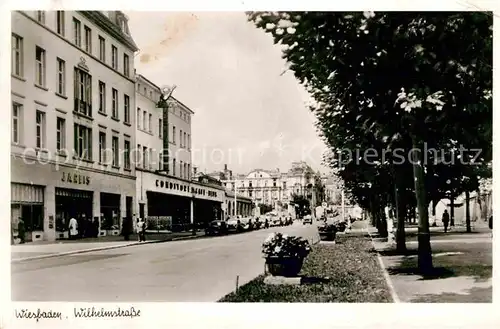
73	204
110	210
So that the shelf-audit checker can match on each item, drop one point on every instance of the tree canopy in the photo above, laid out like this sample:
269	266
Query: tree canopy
417	86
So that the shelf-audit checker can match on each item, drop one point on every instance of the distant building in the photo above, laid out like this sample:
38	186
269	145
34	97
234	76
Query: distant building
273	187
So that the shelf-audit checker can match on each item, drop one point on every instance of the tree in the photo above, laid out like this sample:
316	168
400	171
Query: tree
378	79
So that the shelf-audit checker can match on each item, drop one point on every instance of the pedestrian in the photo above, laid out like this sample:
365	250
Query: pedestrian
140	229
126	228
21	230
446	220
73	228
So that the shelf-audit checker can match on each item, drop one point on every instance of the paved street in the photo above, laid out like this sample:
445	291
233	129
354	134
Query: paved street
194	270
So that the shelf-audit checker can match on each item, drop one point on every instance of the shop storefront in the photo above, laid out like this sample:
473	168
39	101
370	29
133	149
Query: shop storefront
47	196
27	204
178	203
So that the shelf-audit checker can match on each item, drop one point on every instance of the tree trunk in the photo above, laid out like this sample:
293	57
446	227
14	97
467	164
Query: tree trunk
452	209
467	211
400	230
424	237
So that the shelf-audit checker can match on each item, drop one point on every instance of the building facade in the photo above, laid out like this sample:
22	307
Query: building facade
273	187
73	91
167	195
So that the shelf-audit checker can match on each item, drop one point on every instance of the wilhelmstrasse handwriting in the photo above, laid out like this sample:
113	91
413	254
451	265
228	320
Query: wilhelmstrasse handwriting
92	312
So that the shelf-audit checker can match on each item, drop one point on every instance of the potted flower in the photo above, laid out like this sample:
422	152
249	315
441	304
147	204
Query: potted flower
328	231
285	254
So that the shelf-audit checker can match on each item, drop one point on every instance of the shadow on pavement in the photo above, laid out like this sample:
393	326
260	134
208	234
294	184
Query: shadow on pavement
435	273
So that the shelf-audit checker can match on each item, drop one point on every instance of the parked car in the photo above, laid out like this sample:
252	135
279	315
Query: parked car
216	227
232	225
307	220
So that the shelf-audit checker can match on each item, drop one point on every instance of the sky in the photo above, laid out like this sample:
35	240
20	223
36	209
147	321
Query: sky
248	113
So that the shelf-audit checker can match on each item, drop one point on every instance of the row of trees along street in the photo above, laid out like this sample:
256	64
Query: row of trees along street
398	80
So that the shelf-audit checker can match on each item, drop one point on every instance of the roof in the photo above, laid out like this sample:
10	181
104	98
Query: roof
140	76
184	106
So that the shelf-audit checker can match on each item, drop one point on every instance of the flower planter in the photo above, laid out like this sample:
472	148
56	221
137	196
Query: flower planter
62	235
284	266
102	232
327	236
113	232
37	236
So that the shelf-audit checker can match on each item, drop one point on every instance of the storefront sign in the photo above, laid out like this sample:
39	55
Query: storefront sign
75	178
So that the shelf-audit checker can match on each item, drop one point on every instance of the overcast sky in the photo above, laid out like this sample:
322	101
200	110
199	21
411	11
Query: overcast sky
247	114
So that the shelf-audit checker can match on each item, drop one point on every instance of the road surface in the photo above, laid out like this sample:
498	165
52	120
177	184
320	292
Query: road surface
201	270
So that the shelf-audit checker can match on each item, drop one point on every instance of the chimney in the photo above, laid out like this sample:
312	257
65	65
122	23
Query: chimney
195	170
225	167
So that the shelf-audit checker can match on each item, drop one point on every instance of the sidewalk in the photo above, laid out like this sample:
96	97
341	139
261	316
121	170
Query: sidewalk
462	262
45	249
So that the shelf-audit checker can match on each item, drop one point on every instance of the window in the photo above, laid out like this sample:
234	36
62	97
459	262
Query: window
150	94
40	66
188	171
102	147
61	134
40	129
61	77
83	142
180	170
83	92
149	123
180	138
160	127
145	157
114	57
173	167
60	22
102	49
184	140
88	39
185	171
126	108
114	106
138	156
17	55
126	65
189	142
150	157
144	120
145	94
102	97
138	118
77	32
116	151
40	16
173	134
126	154
16	122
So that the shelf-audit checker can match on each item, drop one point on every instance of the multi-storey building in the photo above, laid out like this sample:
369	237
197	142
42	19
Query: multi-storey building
273	187
166	193
73	91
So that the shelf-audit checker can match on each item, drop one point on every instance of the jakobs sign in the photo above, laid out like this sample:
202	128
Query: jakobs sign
75	178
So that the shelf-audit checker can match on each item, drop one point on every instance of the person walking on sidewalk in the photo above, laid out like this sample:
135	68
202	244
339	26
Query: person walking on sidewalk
141	229
21	231
446	220
73	228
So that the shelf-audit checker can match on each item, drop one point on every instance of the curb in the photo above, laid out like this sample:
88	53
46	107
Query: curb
387	277
82	251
